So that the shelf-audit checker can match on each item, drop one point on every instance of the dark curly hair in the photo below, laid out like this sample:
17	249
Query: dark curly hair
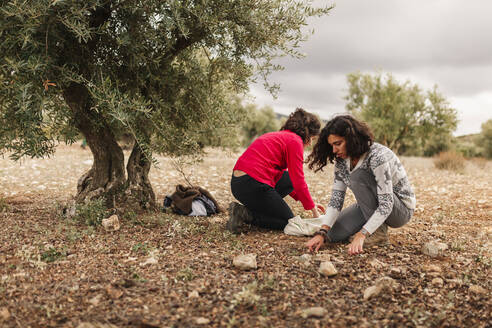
302	123
357	134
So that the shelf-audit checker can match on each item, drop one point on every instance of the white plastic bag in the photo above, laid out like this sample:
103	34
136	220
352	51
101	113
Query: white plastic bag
302	227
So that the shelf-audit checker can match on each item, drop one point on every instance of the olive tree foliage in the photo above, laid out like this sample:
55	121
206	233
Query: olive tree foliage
485	138
164	72
258	121
402	116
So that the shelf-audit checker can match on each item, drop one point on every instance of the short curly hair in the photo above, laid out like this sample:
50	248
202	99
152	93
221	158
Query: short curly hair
357	134
302	123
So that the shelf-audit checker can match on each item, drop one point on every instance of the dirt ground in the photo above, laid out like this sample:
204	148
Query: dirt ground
163	270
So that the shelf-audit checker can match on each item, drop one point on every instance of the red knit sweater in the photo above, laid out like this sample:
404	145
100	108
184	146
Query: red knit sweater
270	155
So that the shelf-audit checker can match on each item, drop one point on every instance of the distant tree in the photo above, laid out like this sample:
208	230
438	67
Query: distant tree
402	116
486	138
161	71
258	122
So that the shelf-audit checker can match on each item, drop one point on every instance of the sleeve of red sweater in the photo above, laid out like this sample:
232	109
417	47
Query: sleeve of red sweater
295	159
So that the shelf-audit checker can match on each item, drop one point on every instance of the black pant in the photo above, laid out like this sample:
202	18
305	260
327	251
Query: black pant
265	203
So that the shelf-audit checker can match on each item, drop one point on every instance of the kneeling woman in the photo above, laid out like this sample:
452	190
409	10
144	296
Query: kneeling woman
270	169
376	177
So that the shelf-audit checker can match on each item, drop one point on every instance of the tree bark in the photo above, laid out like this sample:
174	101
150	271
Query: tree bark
139	192
106	178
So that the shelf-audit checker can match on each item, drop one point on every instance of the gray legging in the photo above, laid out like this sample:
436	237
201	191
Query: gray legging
350	220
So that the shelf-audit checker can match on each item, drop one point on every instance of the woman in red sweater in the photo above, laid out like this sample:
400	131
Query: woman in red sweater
270	169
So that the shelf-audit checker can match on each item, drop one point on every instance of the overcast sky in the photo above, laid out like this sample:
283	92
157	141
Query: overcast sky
443	42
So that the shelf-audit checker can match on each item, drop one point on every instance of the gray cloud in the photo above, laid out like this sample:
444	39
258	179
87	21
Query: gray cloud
443	42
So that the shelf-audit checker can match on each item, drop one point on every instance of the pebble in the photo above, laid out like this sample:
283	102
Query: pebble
97	325
95	300
454	282
193	294
4	314
395	271
317	312
114	293
322	257
112	223
245	262
305	257
434	248
327	269
202	321
384	284
476	289
375	263
151	260
437	282
431	268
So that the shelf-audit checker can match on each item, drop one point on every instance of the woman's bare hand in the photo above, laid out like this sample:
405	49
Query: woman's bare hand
315	243
355	247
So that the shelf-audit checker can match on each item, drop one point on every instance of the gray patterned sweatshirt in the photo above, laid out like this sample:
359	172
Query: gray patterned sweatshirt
390	176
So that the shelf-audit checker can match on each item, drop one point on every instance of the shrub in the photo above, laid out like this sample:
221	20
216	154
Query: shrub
51	255
450	160
91	213
247	296
486	138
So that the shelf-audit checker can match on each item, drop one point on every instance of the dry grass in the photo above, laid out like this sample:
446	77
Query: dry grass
450	160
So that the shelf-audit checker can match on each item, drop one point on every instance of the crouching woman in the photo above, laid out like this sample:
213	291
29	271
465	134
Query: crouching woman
270	169
382	191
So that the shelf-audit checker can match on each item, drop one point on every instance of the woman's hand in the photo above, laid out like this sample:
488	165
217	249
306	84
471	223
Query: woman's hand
321	208
355	247
315	243
317	209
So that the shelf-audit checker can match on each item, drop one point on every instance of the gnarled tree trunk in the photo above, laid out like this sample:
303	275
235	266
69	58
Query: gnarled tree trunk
106	178
139	193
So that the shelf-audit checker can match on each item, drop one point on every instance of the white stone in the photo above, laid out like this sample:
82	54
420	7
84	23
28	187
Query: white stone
395	271
437	282
434	248
202	321
327	269
193	294
151	260
371	292
245	262
305	257
476	289
375	263
112	223
322	257
317	312
384	284
95	300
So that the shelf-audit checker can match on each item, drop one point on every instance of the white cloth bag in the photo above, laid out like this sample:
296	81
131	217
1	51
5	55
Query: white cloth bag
302	227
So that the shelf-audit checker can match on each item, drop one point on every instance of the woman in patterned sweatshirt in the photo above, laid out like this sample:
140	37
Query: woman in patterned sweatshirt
383	194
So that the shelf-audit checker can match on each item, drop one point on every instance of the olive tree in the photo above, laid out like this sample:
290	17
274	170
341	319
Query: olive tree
258	122
485	138
164	72
402	116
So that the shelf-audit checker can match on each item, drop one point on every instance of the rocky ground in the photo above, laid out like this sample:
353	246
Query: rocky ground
163	270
